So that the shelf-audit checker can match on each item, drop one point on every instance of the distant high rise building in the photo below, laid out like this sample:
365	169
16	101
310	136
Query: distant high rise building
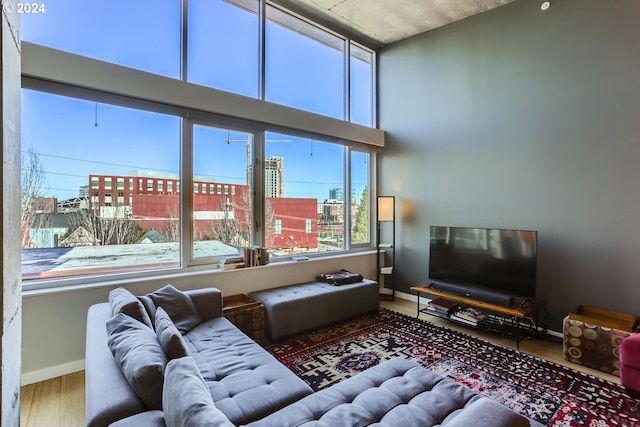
337	194
273	176
84	191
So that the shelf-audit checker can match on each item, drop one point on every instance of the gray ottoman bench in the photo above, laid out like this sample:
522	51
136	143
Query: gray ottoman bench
297	308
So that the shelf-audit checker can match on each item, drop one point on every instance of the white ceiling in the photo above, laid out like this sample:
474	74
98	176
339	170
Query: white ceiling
381	22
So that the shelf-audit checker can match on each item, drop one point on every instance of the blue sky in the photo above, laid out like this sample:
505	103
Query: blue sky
145	34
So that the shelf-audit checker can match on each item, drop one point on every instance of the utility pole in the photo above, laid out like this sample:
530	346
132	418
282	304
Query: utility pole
249	163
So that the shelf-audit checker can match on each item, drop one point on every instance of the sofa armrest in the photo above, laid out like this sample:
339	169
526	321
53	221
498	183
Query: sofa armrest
108	396
144	419
208	301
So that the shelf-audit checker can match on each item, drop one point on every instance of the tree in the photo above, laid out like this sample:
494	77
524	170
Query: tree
226	230
234	228
32	182
270	224
171	229
116	229
86	219
120	229
360	233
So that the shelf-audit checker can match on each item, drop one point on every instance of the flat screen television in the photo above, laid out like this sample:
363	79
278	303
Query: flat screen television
484	262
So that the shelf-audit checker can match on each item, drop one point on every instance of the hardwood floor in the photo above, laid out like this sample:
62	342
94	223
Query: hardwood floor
59	402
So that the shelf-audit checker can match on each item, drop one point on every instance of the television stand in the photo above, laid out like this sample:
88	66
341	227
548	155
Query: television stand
518	322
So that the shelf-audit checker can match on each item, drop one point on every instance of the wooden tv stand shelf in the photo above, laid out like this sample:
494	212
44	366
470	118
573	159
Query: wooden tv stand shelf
519	322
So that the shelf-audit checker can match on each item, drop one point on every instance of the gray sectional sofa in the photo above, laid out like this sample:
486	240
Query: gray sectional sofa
244	380
169	359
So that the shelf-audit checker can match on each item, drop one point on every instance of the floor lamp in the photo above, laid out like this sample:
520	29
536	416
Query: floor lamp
386	212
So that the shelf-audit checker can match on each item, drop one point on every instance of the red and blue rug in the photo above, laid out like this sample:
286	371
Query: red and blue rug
547	392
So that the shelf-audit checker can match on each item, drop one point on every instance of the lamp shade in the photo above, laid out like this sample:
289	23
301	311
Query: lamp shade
386	208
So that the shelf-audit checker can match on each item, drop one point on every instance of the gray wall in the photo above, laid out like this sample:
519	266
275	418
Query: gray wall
523	118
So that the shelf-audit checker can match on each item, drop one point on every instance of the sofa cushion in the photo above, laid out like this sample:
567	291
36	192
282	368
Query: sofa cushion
208	301
178	306
140	357
245	382
148	305
169	337
123	301
186	398
108	395
486	412
395	393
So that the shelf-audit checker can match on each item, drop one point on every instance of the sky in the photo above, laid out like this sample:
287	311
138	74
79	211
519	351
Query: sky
76	138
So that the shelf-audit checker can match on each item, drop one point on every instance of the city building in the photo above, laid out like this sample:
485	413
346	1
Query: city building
152	202
337	194
332	211
273	176
46	230
74	204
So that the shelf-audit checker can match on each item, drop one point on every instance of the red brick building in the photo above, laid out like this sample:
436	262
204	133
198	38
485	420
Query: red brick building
153	202
294	224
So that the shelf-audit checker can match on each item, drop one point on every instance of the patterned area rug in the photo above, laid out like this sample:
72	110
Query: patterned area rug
543	391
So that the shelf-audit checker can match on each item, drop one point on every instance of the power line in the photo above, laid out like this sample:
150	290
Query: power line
68	174
103	163
61	189
154	169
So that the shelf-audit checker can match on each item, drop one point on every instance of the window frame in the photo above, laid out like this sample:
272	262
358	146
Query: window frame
186	176
296	23
56	72
187	263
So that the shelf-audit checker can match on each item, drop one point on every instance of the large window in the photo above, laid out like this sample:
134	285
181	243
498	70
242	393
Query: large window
299	176
80	218
69	144
222	46
361	68
103	170
360	199
221	220
141	34
304	65
299	64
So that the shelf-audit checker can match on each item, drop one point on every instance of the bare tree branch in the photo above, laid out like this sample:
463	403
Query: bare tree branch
32	181
171	229
113	228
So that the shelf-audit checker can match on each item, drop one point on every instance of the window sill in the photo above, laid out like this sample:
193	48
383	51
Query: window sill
47	287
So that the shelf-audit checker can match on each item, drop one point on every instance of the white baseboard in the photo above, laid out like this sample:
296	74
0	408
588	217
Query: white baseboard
555	333
51	372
